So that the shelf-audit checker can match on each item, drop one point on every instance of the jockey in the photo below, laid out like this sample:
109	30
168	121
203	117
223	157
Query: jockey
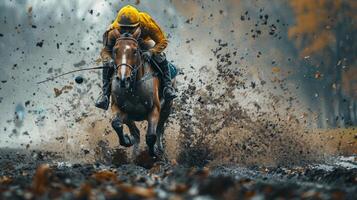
128	20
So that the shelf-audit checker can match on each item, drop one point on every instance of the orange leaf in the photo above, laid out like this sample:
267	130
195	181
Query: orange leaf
84	191
181	188
41	179
105	175
138	191
4	180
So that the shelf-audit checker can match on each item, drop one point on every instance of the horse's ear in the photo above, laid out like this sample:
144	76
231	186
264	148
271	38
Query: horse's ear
137	33
116	33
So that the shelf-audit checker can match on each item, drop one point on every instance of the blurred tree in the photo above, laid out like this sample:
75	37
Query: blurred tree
325	34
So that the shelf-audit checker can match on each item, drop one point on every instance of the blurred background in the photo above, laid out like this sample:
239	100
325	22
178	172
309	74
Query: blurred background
257	78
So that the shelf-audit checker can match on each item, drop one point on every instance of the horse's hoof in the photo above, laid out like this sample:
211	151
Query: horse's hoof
128	141
156	153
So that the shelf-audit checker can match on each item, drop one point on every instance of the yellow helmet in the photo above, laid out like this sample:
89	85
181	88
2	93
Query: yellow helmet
128	16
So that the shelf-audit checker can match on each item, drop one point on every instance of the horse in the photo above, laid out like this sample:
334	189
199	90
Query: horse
137	95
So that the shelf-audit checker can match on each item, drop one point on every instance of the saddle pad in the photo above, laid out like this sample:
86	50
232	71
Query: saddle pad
173	70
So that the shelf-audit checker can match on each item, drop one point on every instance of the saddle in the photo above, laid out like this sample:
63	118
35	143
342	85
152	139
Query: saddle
148	44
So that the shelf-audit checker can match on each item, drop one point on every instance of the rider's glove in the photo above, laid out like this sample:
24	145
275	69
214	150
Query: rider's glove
147	55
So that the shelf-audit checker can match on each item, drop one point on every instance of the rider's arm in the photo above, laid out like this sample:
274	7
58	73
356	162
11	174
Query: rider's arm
108	44
155	33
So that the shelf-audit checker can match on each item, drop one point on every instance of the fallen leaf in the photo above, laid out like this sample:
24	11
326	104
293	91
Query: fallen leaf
41	179
4	180
138	191
203	173
105	175
181	188
84	191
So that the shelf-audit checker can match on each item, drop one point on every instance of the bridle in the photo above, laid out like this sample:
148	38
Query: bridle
134	69
138	56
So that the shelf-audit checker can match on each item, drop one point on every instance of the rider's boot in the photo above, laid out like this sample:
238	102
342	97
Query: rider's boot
103	101
168	92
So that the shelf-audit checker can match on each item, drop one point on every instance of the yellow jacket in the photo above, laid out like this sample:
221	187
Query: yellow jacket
149	30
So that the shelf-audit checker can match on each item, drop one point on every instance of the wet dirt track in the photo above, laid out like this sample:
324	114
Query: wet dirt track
39	175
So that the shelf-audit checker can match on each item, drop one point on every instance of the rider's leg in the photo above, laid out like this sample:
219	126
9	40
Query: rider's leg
169	91
103	101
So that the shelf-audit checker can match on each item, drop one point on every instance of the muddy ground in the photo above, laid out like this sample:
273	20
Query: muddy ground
43	175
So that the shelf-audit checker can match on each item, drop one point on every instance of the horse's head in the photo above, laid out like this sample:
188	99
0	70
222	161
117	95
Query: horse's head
126	57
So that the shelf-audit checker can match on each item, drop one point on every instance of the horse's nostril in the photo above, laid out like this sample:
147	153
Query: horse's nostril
117	78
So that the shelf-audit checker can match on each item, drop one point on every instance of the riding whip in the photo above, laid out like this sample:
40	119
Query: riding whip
78	70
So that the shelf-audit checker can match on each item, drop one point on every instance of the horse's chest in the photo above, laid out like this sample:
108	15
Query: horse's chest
136	102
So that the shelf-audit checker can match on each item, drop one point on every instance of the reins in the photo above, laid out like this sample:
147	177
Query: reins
125	64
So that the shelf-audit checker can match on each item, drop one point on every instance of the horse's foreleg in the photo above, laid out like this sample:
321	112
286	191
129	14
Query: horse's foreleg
153	120
135	132
117	124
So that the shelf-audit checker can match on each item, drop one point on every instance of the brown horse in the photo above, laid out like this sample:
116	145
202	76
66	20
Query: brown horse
136	95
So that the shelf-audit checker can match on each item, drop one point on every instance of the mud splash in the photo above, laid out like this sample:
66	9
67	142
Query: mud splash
217	128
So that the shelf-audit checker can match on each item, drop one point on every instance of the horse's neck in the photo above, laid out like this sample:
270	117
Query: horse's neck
144	69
